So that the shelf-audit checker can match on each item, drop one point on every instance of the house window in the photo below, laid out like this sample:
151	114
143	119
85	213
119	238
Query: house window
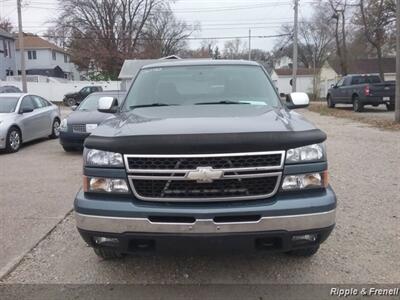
65	58
5	48
32	54
54	55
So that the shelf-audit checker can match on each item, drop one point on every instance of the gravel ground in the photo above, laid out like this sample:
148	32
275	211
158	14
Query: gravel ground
364	247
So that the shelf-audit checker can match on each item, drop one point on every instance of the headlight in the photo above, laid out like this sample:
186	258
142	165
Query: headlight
305	181
315	152
105	185
99	158
64	125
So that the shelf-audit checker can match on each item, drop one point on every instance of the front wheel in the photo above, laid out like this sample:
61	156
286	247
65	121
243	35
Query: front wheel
390	106
106	253
305	252
55	130
357	105
14	140
331	104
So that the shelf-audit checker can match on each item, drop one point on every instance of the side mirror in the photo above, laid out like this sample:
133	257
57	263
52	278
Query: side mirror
107	105
25	110
297	100
74	107
282	95
332	86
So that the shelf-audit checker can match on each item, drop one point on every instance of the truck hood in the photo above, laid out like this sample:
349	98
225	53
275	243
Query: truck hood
201	129
87	117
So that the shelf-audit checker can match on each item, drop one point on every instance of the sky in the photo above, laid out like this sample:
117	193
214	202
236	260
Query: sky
217	18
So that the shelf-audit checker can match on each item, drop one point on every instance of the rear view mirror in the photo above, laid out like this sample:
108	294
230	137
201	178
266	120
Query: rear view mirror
25	110
107	105
297	100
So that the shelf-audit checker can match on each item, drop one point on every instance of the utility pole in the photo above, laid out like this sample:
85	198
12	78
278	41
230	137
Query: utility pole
249	44
397	104
295	42
21	48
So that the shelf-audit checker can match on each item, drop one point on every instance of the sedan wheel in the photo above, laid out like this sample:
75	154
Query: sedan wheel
13	140
55	133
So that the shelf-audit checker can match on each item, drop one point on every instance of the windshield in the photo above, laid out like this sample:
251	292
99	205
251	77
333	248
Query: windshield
8	105
201	85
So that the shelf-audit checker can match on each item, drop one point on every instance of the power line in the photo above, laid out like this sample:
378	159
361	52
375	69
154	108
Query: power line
188	38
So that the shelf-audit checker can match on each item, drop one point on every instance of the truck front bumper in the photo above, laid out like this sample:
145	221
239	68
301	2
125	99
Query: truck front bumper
269	225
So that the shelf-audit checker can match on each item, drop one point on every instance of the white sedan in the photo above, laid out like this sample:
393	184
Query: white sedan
25	117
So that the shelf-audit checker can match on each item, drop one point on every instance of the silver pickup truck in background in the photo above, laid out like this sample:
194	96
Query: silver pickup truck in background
361	90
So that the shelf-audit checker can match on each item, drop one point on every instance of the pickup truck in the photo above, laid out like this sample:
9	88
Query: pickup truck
361	90
76	98
204	155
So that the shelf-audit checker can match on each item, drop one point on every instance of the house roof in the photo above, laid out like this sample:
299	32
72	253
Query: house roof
35	42
6	34
368	66
289	72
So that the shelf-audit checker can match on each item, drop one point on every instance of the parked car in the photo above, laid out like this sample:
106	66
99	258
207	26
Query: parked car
85	118
361	90
72	99
9	89
25	117
205	153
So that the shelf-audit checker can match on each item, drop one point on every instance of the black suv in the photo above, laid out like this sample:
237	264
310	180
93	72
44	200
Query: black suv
205	154
72	99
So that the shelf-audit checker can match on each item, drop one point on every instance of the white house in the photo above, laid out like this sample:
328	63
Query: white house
45	58
7	55
282	78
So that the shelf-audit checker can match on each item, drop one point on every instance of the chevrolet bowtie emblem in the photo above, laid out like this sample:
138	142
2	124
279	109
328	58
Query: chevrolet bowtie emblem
205	174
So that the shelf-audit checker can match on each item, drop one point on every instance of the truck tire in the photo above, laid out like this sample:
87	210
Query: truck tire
390	106
106	253
357	104
70	102
305	252
331	104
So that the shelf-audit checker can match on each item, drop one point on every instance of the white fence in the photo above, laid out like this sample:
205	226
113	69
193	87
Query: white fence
55	91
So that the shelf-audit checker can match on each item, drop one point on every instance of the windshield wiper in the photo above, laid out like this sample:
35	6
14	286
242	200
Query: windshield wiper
151	105
222	102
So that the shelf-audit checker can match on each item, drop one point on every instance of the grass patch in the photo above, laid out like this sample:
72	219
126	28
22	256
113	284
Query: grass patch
347	113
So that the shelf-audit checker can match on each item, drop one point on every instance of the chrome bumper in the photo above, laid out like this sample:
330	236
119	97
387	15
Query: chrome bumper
144	225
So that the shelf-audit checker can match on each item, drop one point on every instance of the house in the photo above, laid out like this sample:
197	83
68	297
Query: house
7	55
305	79
330	72
46	59
132	66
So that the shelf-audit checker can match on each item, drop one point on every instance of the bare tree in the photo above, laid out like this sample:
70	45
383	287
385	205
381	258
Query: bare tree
376	19
6	25
234	49
107	31
165	35
338	8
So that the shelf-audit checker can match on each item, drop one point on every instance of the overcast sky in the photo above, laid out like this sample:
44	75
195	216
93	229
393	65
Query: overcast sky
217	18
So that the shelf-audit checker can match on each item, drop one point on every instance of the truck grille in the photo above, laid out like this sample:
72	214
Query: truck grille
79	128
205	178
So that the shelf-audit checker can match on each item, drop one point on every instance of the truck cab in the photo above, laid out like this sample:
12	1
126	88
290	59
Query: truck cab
205	154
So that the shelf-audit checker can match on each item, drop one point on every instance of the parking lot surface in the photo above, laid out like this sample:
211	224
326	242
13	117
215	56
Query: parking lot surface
41	180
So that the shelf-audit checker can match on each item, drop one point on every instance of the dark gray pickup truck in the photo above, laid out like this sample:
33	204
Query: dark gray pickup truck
361	90
204	154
